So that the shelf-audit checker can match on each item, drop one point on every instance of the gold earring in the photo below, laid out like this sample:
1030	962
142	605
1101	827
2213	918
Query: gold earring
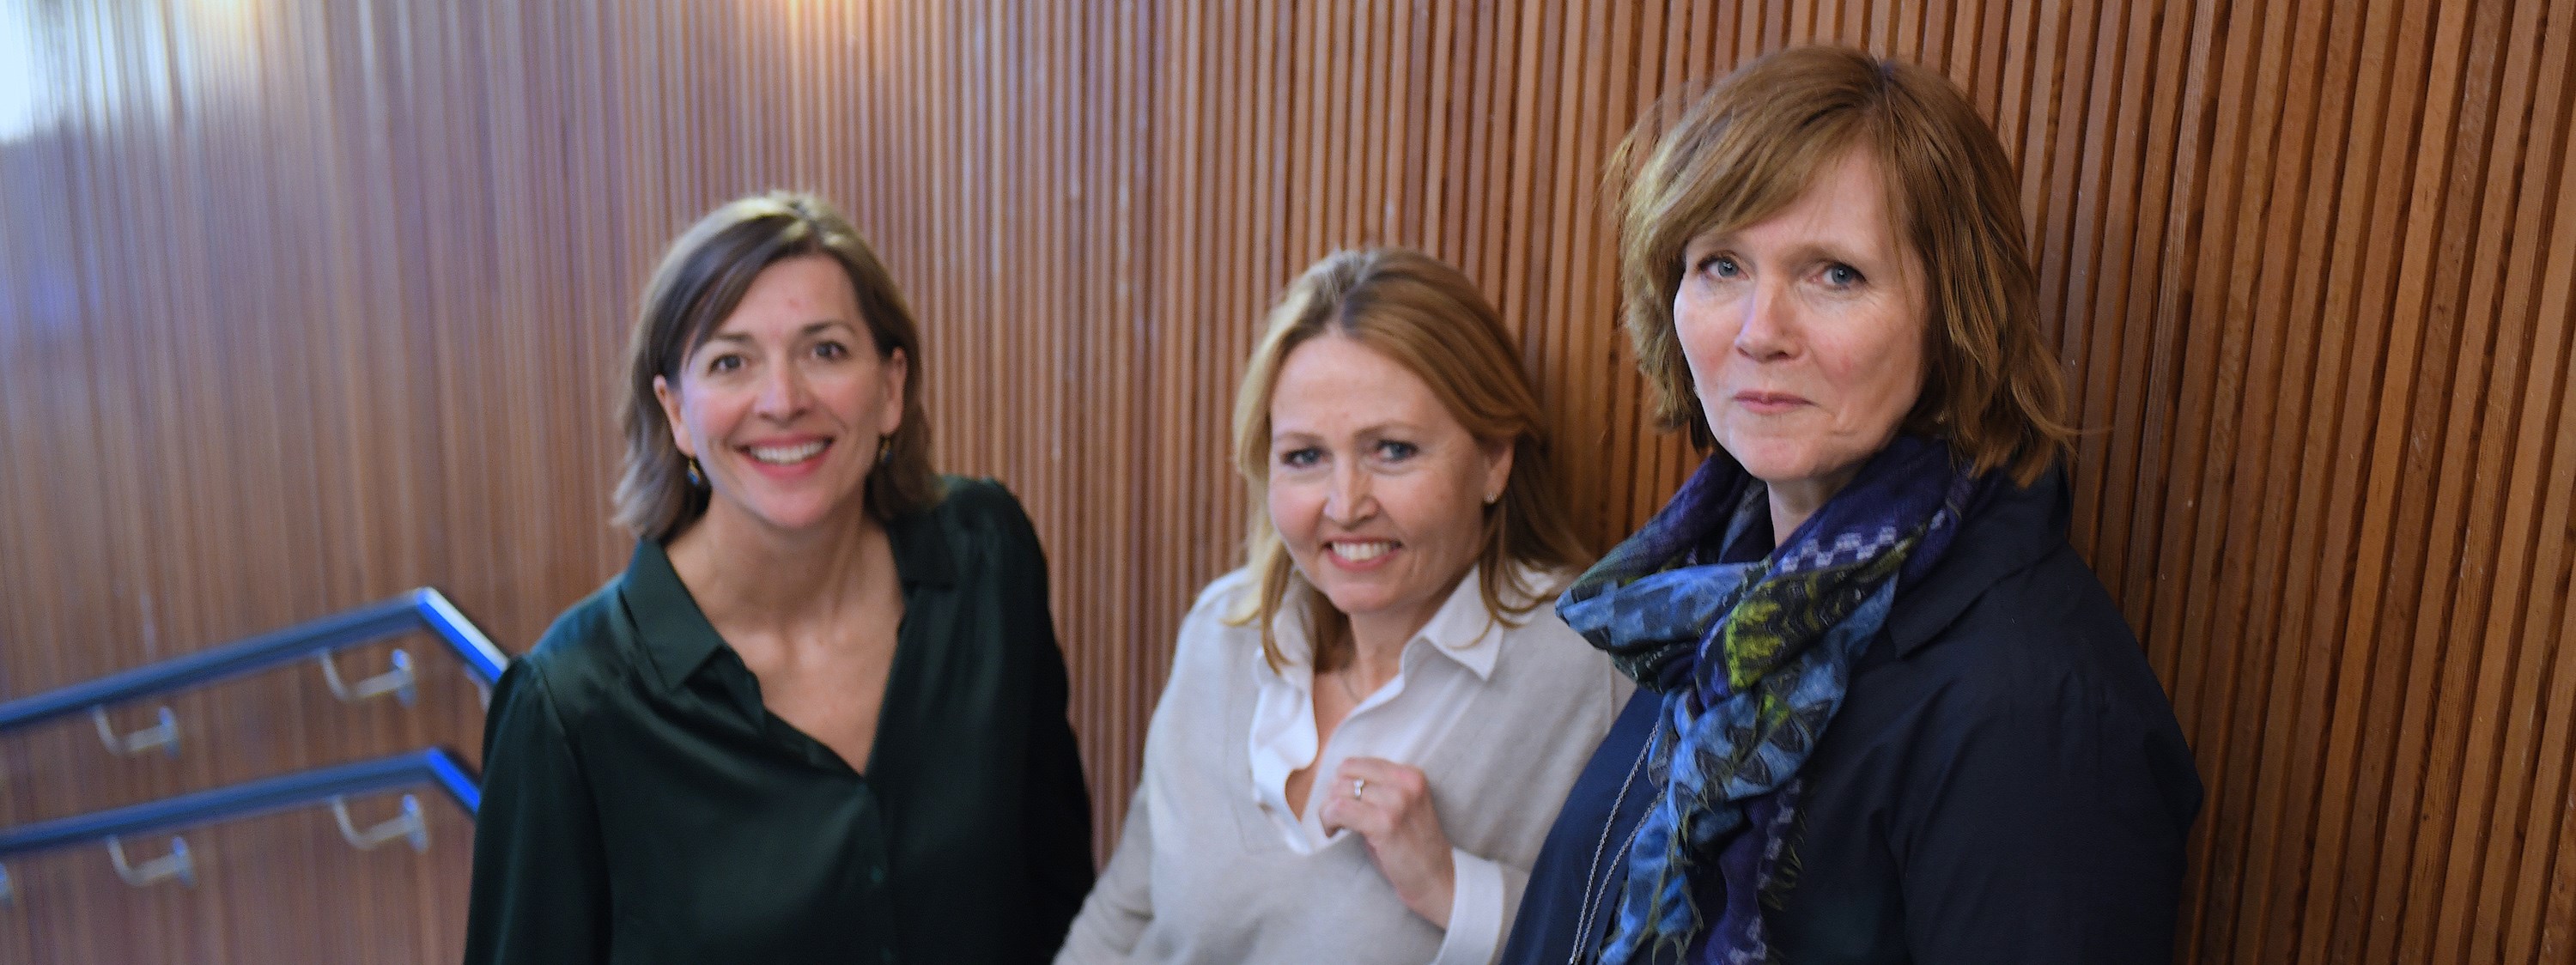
885	448
696	478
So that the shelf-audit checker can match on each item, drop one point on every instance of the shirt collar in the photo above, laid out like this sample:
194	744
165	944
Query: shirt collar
675	634
1462	630
677	639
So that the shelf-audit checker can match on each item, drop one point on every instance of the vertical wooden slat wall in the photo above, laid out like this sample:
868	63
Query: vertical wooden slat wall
305	303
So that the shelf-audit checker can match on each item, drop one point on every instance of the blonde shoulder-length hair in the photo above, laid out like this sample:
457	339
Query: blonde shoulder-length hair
1429	318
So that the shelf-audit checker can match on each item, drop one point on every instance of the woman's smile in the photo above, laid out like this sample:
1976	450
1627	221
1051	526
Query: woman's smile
787	459
1359	556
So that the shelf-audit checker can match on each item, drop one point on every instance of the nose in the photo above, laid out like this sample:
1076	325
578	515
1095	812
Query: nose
783	394
1349	502
1769	325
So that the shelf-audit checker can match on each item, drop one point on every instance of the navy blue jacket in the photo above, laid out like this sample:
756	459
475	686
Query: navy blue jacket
2004	783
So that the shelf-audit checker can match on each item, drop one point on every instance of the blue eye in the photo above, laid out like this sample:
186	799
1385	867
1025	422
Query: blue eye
1394	451
1300	458
1721	266
725	363
831	350
1842	276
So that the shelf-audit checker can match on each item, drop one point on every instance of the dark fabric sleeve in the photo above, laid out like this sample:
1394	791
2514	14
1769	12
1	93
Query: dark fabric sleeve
2044	829
540	887
1059	806
1579	847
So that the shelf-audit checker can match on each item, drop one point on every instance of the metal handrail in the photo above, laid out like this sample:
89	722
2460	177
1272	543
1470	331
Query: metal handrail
424	608
435	766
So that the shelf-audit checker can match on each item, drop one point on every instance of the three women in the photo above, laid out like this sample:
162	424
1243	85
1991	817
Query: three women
1882	711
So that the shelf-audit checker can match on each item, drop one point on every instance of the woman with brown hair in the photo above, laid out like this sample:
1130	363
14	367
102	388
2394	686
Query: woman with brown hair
821	716
1358	722
1888	715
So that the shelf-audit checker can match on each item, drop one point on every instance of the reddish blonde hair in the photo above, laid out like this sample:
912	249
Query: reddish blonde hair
1749	147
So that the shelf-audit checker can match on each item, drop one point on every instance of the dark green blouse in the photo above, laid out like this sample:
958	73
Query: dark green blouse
641	805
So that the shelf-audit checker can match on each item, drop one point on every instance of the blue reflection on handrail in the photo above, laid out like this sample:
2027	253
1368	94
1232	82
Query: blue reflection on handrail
481	658
267	795
424	608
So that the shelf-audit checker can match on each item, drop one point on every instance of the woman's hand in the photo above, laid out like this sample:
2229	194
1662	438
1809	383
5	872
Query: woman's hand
1392	812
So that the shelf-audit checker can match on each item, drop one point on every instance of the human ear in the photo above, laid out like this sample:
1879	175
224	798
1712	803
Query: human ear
670	399
1498	467
897	373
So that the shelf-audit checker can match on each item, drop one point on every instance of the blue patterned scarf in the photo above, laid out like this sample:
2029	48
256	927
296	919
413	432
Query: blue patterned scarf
1751	660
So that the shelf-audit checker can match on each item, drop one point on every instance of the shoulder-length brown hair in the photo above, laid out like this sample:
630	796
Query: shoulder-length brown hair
1749	147
701	280
1429	318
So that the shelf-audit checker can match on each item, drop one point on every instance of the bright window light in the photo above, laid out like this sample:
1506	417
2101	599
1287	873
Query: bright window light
22	80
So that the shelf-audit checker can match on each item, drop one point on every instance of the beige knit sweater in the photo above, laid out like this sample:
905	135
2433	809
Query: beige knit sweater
1201	875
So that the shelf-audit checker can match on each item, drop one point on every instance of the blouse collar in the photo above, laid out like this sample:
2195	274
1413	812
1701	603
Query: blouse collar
677	639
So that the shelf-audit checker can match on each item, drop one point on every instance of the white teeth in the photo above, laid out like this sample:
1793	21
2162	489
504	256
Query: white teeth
1362	552
786	455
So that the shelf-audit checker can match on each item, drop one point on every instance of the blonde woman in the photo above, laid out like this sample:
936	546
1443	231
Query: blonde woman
1366	728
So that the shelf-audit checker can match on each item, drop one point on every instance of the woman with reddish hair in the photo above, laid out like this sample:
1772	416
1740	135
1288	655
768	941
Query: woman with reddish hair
1887	714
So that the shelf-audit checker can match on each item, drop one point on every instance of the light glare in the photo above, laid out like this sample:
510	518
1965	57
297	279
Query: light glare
22	101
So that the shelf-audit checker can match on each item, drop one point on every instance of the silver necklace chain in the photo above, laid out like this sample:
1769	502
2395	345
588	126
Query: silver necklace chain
1343	677
1593	900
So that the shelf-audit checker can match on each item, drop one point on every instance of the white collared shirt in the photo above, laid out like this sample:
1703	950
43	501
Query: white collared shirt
1438	673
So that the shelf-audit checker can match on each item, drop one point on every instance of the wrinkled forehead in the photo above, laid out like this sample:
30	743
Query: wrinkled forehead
1753	186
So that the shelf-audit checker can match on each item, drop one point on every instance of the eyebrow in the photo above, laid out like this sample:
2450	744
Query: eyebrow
1834	250
1373	430
1391	428
810	328
1831	249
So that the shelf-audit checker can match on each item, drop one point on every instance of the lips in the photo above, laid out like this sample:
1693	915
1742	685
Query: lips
787	453
1767	403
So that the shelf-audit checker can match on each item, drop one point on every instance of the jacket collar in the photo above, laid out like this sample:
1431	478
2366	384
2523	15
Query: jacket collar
2007	530
675	635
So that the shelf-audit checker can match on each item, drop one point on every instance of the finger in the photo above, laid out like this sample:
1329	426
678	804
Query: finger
1405	779
1376	770
1361	815
1349	786
1397	791
1331	816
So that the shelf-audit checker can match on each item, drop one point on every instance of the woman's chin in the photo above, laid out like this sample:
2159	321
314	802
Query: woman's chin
789	515
1774	464
1355	596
